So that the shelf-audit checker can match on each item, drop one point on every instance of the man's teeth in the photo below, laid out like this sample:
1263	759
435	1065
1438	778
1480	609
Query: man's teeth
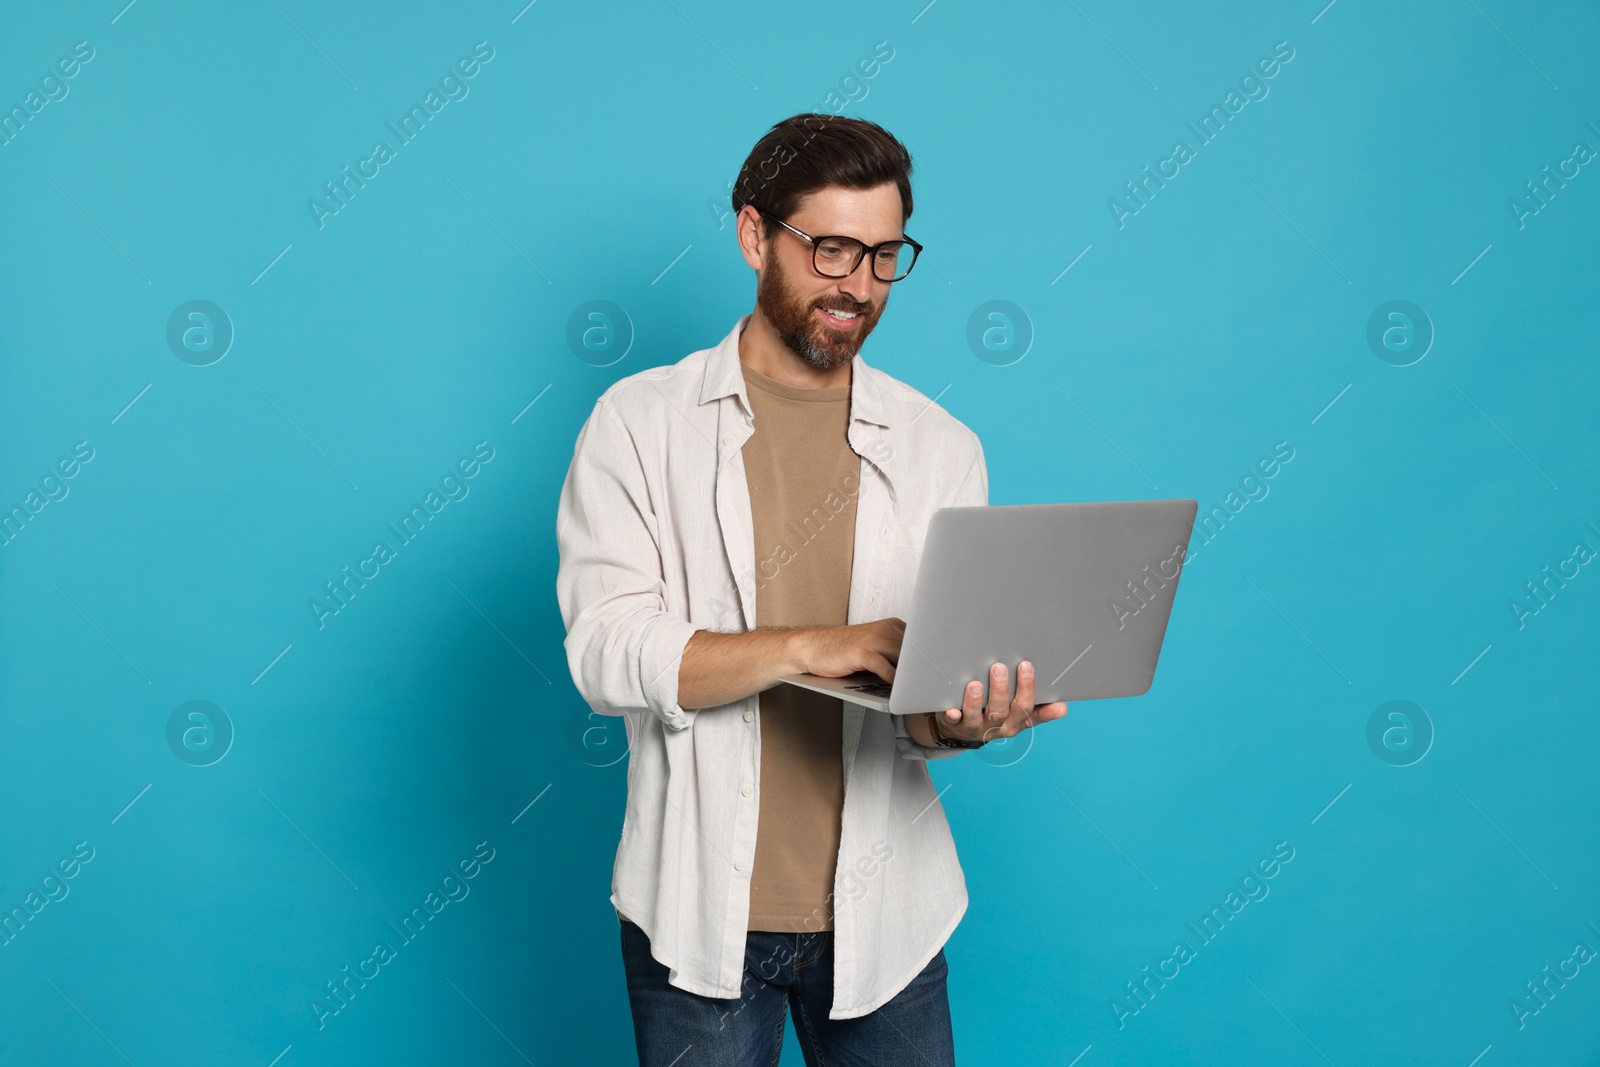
841	314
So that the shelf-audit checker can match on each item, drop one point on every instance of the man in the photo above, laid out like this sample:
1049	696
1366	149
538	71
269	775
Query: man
757	509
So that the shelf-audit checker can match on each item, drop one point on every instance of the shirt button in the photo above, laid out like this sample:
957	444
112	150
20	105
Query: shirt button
738	865
749	716
728	440
746	790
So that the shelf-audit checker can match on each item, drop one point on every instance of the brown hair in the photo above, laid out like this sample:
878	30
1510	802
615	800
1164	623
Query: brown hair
808	151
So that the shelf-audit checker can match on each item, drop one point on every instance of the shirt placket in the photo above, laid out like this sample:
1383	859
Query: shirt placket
734	428
874	508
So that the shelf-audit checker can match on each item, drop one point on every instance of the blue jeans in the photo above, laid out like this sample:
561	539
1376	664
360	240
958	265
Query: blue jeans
675	1028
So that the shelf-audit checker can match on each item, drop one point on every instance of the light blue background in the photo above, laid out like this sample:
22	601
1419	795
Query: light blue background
589	156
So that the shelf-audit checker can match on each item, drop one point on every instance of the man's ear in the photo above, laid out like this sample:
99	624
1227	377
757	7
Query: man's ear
751	236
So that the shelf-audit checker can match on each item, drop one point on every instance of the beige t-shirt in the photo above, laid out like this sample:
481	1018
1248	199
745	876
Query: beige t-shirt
804	480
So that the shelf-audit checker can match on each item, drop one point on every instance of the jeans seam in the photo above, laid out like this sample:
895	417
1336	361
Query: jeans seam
815	955
777	1046
811	1034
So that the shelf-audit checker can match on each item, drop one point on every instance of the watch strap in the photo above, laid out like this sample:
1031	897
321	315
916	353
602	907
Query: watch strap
942	741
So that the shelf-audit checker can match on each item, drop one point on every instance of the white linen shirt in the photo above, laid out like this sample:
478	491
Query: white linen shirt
656	542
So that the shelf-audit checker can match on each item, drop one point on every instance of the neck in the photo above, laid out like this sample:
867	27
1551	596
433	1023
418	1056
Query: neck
763	351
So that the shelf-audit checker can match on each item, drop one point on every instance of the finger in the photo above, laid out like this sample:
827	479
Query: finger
1019	713
893	637
999	693
949	726
1023	701
1046	713
971	706
972	725
883	668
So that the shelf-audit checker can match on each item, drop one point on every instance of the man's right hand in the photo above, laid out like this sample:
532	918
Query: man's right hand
835	651
718	668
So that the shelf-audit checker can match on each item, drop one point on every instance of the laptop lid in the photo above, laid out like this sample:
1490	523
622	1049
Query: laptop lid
1083	591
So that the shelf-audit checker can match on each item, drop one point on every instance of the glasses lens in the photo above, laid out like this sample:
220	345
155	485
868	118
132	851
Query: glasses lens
894	261
836	256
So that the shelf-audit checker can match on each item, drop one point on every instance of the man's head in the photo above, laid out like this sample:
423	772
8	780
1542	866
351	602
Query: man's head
823	175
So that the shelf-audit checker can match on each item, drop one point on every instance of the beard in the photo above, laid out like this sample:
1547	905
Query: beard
790	313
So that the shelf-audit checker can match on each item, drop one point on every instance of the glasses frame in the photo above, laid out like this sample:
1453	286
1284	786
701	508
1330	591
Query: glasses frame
866	249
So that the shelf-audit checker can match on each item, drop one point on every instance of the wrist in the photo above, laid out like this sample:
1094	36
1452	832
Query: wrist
797	650
943	740
920	727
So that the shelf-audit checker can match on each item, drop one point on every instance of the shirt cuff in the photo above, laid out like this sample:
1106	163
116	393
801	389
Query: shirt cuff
660	656
909	749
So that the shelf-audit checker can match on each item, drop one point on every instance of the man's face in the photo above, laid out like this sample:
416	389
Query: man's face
796	299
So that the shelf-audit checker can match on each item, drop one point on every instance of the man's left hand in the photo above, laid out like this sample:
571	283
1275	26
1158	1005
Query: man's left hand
1003	715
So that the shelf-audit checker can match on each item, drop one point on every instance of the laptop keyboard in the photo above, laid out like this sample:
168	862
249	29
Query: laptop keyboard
877	689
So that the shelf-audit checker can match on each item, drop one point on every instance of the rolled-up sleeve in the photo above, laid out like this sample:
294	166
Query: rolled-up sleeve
909	749
972	491
623	646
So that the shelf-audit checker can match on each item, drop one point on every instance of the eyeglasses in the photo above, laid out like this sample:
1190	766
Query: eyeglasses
835	256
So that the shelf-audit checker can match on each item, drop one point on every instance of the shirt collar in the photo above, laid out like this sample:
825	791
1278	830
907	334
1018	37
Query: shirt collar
723	378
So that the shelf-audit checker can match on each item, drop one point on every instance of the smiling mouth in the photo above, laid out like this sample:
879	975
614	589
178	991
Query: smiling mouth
840	320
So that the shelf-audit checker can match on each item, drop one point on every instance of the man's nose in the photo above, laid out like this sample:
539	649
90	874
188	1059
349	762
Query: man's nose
859	282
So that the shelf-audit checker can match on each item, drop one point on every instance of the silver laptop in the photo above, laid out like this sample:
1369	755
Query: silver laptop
1082	591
